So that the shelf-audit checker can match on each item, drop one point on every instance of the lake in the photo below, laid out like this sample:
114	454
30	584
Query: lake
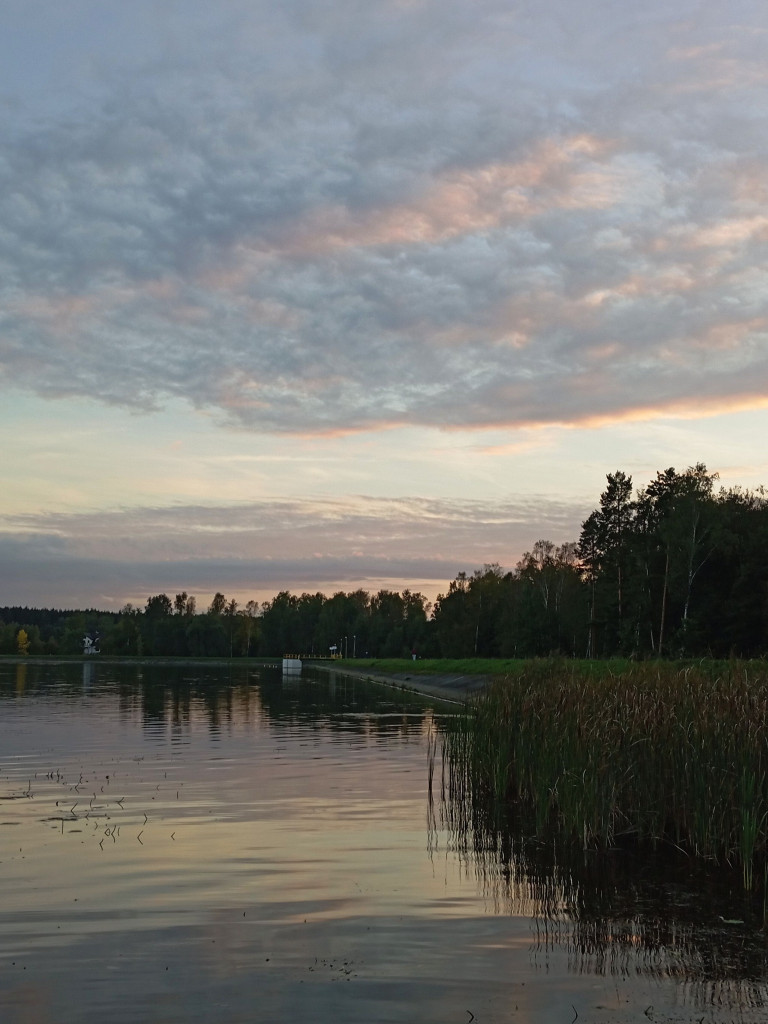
198	843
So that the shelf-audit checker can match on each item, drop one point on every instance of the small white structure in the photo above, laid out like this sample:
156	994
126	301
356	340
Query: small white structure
91	644
291	664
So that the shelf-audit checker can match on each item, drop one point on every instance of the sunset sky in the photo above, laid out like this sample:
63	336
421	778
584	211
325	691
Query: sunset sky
327	294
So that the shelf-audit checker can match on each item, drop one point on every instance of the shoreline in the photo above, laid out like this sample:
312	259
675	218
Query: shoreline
454	689
448	687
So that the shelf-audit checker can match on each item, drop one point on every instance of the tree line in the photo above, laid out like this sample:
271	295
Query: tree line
675	568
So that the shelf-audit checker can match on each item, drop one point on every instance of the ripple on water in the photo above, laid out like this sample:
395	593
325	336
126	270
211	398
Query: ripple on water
187	846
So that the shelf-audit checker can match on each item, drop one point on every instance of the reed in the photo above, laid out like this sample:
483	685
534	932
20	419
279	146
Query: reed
662	752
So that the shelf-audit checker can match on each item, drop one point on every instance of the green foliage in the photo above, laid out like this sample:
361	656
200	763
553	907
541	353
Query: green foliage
662	752
440	666
158	607
666	570
356	624
22	642
678	569
539	609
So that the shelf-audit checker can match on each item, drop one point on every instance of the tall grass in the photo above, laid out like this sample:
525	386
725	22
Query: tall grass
660	752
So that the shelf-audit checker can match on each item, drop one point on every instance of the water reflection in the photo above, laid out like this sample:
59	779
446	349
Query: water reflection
628	912
174	698
260	836
88	674
183	839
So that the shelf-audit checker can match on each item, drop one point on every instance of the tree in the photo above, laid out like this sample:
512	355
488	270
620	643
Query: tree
278	624
230	611
249	615
22	641
604	550
415	621
158	606
731	607
455	619
307	614
158	628
340	619
684	515
128	639
548	601
694	511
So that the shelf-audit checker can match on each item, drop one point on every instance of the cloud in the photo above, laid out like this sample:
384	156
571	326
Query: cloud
342	216
258	548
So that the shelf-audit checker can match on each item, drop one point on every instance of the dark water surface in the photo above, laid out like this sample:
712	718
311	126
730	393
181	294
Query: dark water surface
212	844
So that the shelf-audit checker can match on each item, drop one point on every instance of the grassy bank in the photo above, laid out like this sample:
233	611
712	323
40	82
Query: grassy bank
436	666
675	754
489	667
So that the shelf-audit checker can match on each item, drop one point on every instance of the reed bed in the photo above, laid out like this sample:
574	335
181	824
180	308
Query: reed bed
666	753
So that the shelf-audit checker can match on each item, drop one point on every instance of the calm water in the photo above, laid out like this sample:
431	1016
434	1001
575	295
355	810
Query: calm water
201	844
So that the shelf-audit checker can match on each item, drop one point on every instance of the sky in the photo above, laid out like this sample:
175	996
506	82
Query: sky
329	294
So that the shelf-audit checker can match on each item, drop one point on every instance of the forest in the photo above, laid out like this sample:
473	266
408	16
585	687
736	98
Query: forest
675	568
